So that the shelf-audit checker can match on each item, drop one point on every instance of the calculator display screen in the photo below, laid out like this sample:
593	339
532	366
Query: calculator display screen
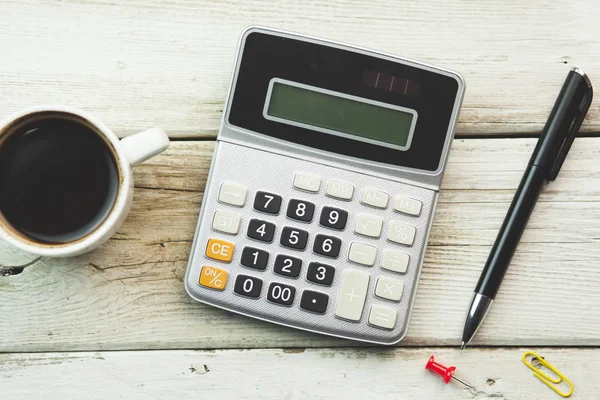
339	114
343	101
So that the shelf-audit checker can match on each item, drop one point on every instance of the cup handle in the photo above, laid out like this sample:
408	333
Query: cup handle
144	145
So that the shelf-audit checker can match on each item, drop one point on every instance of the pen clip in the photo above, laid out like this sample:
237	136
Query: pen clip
570	137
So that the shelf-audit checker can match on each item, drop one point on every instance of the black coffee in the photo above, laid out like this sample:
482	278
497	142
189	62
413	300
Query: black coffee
58	179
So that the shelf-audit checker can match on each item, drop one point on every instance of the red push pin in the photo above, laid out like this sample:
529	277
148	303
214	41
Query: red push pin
445	372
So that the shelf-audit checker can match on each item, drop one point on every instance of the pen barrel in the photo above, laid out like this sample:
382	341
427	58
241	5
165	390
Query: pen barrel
511	231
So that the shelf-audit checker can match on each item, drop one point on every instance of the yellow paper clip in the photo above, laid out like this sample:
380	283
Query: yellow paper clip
548	380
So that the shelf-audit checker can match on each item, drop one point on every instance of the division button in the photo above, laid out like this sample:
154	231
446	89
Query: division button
406	205
233	193
351	298
362	253
382	316
388	288
213	278
314	301
395	260
306	181
375	198
402	233
227	222
248	286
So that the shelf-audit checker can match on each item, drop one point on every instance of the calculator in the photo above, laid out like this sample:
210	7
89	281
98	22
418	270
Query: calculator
323	186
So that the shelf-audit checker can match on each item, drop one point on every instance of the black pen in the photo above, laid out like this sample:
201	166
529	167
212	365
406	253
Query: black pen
550	152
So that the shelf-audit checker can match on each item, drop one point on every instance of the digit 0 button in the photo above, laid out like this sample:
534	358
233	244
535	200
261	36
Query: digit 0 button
248	286
406	205
375	198
213	278
233	193
401	233
308	182
219	250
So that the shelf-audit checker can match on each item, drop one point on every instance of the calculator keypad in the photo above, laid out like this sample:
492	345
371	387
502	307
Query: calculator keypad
320	273
281	294
300	210
311	249
328	246
334	218
287	266
254	258
261	230
248	286
314	301
269	203
294	238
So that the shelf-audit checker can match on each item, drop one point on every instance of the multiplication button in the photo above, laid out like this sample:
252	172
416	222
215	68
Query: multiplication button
389	289
314	301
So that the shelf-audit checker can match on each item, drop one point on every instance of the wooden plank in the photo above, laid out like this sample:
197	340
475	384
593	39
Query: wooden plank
291	374
141	63
129	293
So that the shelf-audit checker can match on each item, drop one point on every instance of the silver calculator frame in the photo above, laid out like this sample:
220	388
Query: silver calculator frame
425	179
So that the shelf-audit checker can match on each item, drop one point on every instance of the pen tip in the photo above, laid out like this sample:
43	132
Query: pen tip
463	345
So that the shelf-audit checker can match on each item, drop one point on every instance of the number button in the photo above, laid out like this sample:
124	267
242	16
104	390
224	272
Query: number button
320	273
248	286
333	218
327	245
294	238
287	266
267	202
254	258
261	230
314	301
281	294
300	210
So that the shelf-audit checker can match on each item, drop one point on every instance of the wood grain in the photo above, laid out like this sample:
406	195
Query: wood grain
129	293
373	373
142	63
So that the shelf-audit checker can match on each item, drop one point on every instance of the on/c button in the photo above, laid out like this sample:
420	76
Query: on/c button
219	250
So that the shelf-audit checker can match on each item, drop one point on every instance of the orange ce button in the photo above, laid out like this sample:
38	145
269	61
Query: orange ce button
219	250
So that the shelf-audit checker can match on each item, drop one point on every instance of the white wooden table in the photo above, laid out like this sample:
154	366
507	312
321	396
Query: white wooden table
116	323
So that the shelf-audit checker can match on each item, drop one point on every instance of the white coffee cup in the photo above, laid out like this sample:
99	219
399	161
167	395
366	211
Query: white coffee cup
126	154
